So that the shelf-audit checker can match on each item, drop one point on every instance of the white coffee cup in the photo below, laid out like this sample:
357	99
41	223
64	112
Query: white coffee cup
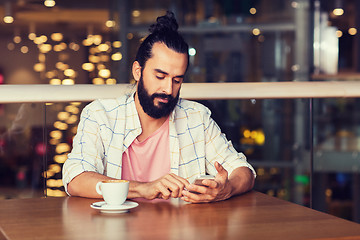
114	192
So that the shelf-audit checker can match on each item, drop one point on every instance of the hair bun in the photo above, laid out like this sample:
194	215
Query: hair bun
165	23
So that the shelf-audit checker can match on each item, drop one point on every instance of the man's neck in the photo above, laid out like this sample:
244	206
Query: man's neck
148	124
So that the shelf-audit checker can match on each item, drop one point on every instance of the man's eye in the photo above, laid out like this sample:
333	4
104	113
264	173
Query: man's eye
177	80
160	77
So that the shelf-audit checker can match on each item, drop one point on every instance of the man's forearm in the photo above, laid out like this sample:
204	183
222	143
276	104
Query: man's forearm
241	180
84	184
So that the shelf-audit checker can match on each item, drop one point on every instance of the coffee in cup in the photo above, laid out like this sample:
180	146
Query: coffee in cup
114	192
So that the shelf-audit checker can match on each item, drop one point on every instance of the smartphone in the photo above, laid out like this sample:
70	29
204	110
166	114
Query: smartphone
199	179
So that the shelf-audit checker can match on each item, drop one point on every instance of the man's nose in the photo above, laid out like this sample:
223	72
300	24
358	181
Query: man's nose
167	86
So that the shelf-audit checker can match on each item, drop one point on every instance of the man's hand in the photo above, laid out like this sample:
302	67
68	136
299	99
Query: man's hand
213	190
168	186
223	187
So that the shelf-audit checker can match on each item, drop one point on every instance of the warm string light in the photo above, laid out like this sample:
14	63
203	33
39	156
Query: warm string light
11	46
352	31
338	11
8	19
24	49
49	3
116	56
110	23
136	13
57	37
256	31
17	39
339	33
129	36
117	44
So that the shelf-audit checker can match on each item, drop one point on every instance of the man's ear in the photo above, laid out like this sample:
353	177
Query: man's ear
136	70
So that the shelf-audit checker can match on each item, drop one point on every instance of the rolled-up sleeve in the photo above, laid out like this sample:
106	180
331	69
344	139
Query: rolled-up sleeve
88	151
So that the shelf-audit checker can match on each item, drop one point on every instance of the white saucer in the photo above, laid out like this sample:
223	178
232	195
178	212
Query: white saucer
103	207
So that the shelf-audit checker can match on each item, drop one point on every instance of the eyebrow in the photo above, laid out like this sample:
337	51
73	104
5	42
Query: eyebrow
165	73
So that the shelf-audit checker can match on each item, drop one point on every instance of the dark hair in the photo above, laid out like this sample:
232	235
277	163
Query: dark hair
165	30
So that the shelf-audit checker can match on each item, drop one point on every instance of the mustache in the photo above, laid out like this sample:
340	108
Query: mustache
162	95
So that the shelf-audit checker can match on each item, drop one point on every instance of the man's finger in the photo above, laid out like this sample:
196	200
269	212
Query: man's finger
220	168
210	183
181	182
172	187
195	197
197	189
175	184
222	173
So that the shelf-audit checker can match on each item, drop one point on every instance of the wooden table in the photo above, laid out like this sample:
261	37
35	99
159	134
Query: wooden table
250	216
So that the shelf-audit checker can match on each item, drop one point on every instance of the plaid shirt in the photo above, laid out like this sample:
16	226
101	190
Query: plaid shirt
108	127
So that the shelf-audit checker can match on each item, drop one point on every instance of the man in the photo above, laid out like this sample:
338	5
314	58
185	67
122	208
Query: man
158	142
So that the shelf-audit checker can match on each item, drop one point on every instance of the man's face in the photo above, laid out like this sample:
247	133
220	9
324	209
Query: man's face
146	100
160	81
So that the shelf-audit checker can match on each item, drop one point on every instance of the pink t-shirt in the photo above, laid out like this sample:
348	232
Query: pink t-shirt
150	159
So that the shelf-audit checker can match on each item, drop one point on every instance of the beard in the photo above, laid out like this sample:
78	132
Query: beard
148	105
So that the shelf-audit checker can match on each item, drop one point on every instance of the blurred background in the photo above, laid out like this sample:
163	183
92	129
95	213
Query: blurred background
94	42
